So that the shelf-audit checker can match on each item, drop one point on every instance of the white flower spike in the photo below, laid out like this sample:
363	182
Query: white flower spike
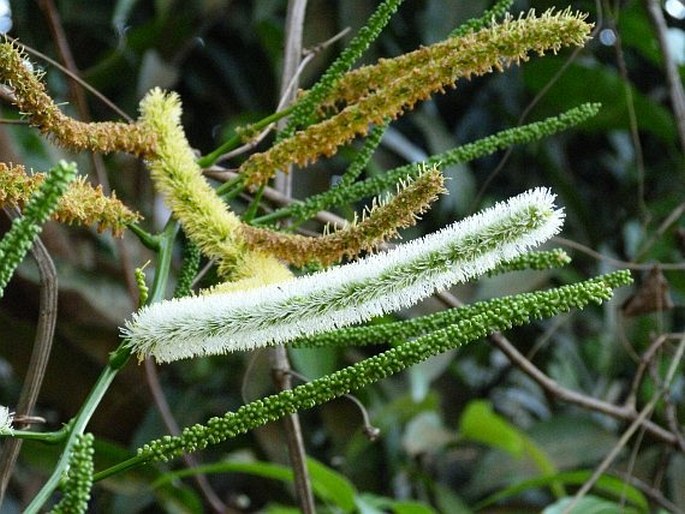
352	293
6	419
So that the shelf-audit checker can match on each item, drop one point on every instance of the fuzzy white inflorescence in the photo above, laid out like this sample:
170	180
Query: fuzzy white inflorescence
6	419
347	294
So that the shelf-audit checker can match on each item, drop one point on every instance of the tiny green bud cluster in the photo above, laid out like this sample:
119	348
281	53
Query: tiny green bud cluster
78	479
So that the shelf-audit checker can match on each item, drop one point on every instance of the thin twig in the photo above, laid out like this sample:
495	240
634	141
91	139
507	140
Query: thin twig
289	91
675	86
635	425
632	116
369	430
283	183
42	345
625	412
287	95
651	492
152	378
615	262
645	359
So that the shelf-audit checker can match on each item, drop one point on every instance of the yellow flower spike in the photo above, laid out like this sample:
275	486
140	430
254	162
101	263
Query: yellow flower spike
394	85
81	203
550	31
36	105
204	217
381	224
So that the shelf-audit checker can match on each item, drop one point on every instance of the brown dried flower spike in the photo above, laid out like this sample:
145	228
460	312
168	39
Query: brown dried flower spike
381	223
81	204
34	103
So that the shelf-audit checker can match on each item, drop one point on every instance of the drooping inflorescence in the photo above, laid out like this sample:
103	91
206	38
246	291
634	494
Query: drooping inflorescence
81	202
380	224
33	102
205	218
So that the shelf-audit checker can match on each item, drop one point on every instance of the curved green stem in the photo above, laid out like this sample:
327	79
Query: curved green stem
150	241
43	437
166	248
78	427
231	188
117	360
209	159
125	465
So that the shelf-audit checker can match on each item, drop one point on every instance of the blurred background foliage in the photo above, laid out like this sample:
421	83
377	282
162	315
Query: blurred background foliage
455	430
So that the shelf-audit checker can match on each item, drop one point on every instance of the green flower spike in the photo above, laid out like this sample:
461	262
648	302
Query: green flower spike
78	480
518	310
18	240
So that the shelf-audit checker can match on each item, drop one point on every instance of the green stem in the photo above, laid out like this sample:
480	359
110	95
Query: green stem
166	250
78	427
254	205
117	360
125	465
43	437
231	188
207	160
150	241
271	216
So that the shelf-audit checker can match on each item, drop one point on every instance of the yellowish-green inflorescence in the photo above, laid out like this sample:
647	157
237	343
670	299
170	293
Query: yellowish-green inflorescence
204	216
